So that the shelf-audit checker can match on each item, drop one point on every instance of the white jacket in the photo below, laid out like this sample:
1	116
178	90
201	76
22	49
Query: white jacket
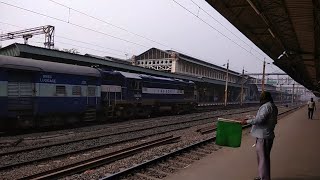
265	121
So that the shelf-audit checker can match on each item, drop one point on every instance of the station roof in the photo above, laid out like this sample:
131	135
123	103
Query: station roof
287	31
27	51
29	64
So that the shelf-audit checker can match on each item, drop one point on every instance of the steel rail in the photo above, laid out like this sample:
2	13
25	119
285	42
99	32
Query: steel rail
143	165
15	165
204	108
112	134
100	160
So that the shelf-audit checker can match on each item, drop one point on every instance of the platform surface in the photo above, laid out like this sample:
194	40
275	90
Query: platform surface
295	154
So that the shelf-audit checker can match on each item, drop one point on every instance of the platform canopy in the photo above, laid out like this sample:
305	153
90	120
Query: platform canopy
286	30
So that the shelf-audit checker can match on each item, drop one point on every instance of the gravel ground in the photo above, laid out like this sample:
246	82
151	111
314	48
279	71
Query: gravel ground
57	150
188	136
40	167
75	146
46	138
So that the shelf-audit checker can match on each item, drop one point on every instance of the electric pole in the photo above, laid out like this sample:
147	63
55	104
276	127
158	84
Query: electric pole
292	93
263	74
281	93
241	95
226	89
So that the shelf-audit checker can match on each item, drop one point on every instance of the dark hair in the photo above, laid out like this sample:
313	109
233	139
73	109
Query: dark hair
265	97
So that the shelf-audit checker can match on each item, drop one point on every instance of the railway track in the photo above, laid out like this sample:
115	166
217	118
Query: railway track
94	148
203	108
61	155
117	133
84	130
101	160
137	168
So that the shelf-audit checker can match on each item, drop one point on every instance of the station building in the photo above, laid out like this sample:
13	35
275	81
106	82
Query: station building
179	63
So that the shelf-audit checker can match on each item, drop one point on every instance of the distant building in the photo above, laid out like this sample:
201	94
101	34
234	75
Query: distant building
179	63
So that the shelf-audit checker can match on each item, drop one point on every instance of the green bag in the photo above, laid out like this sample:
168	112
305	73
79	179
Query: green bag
229	133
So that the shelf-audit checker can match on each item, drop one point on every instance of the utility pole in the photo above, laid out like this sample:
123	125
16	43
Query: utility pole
263	74
226	89
241	95
281	93
292	93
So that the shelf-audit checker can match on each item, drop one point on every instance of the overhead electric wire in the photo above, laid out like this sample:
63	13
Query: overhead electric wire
89	29
197	16
214	28
89	48
106	22
73	45
91	44
77	25
121	28
76	41
225	27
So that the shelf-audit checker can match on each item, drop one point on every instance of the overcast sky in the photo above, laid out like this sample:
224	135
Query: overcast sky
137	25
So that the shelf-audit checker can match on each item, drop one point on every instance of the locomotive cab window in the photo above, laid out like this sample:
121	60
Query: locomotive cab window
136	85
61	90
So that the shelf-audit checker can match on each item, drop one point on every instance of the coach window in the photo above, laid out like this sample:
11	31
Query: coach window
91	91
61	90
76	90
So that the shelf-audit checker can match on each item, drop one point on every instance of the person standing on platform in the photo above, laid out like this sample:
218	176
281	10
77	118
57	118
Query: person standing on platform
263	130
311	108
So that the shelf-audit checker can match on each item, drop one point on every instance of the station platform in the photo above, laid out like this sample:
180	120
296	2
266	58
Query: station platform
295	154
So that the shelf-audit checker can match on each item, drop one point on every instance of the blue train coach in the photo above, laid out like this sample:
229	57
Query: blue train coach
40	93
